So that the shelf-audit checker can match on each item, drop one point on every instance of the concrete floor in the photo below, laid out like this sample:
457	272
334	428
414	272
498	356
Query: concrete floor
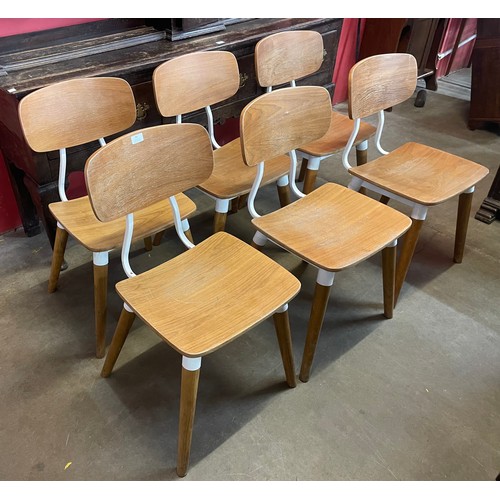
412	398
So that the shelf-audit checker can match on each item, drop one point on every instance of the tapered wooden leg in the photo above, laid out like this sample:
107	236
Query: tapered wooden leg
463	214
309	181
318	309
303	169
219	221
362	190
405	257
122	328
158	237
189	392
189	236
361	156
148	243
388	278
221	210
282	325
57	258
100	307
284	195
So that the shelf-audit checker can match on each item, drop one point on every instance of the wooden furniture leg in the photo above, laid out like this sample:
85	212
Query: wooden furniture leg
219	221
158	237
189	391
100	306
284	195
318	309
303	169
388	278
122	328
463	214
57	258
407	250
148	243
282	325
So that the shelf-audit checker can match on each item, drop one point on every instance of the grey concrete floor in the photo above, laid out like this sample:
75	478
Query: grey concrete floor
412	398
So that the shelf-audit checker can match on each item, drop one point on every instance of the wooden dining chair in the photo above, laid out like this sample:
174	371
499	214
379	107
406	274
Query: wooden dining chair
195	81
414	174
283	58
331	228
72	113
207	296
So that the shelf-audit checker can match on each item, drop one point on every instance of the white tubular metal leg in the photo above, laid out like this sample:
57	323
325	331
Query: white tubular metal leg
211	130
292	176
378	133
350	143
178	223
127	241
62	175
255	189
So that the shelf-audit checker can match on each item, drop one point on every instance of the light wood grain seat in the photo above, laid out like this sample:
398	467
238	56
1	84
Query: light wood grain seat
332	227
79	220
282	58
196	81
73	113
231	177
359	227
205	297
414	174
421	174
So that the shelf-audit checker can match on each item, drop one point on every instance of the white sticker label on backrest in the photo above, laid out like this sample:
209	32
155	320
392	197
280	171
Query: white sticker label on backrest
137	138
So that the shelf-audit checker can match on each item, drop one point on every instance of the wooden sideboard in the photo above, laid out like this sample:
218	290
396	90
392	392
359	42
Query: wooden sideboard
130	49
485	100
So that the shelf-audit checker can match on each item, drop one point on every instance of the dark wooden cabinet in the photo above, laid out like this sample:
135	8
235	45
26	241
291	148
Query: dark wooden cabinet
413	36
485	100
126	48
485	82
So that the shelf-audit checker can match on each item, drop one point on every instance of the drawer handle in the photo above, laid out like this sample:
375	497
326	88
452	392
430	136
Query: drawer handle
243	79
142	111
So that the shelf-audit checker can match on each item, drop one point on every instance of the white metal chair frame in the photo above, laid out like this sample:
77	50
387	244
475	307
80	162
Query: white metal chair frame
418	211
222	205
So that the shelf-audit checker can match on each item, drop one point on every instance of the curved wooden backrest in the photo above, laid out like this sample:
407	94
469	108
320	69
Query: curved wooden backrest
192	81
285	119
286	56
379	82
146	166
76	111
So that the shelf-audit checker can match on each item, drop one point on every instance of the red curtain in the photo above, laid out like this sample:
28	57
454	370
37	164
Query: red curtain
350	36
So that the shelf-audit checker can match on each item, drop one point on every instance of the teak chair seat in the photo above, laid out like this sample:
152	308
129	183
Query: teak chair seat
283	58
232	178
415	174
332	227
203	298
72	113
191	82
79	220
